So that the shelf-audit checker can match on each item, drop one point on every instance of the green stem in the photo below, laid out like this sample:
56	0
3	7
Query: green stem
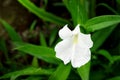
92	8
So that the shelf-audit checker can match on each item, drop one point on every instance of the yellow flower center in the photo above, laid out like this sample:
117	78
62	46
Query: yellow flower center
75	39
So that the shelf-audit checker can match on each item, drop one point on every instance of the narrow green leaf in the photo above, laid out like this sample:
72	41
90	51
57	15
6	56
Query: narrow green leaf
115	78
42	13
35	78
33	25
118	1
100	36
106	54
84	71
61	73
116	58
77	10
41	52
101	22
92	8
53	36
35	62
108	7
117	5
4	49
27	71
11	32
42	39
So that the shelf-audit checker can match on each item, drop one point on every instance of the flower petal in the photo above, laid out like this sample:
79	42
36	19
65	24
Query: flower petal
65	32
64	50
80	57
77	29
86	39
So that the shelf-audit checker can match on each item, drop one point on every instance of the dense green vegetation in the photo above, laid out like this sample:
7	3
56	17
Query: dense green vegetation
28	53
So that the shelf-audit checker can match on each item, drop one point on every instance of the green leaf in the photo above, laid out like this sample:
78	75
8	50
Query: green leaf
109	7
4	49
42	39
61	73
42	13
101	22
77	10
35	78
99	39
33	25
27	71
84	71
116	58
35	62
41	52
118	1
11	32
106	54
53	36
115	78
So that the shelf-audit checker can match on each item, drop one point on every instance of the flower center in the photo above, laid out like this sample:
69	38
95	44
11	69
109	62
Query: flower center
75	38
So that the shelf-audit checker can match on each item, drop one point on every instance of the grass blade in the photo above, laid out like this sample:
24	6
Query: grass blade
61	73
11	32
101	22
41	52
27	71
42	13
84	71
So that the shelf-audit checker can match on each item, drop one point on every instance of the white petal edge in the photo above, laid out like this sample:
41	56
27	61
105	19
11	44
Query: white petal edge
77	29
81	57
65	32
86	38
64	50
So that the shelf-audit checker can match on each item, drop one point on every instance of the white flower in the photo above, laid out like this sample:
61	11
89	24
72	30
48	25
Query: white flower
74	47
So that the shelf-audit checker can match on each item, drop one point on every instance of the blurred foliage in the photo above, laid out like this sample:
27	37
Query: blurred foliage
29	32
